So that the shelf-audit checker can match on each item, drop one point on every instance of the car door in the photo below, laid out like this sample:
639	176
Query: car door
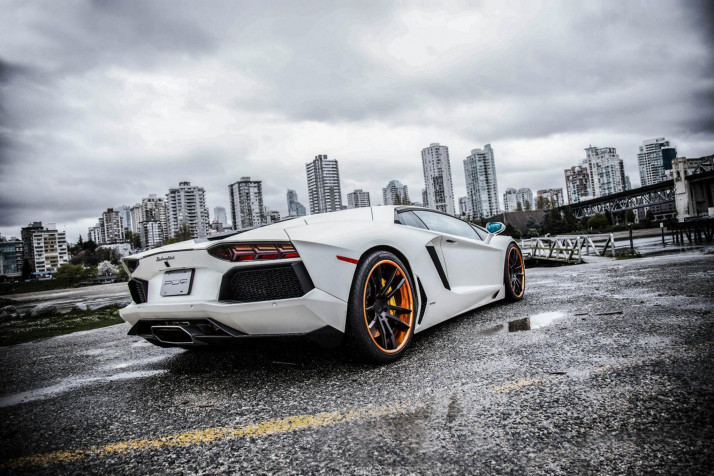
471	265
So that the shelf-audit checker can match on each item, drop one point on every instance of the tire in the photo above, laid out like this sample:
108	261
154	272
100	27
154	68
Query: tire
381	309
514	273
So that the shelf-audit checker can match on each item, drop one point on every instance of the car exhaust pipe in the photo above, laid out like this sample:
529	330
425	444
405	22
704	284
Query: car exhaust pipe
172	335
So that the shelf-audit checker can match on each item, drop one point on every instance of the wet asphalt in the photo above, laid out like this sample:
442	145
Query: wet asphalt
615	376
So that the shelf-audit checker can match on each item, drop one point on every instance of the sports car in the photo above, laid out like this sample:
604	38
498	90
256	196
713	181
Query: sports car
372	277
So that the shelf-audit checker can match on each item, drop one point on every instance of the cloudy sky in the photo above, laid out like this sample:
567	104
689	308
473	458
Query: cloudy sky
105	102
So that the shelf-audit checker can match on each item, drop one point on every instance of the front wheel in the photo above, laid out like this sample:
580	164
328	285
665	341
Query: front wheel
514	274
380	314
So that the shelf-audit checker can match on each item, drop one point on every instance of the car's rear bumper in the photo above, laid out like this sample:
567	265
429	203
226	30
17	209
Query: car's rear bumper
302	315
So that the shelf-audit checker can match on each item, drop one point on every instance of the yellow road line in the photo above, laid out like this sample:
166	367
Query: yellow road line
190	438
510	386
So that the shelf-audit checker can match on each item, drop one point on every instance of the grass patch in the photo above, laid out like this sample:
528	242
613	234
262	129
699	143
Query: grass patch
627	253
17	331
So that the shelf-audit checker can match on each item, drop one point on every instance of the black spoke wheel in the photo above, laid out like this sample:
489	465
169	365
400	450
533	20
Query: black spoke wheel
514	275
380	316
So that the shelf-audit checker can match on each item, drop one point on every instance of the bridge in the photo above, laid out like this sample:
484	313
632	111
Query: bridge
658	194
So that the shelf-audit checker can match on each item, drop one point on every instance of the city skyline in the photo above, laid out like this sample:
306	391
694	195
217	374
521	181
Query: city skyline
105	111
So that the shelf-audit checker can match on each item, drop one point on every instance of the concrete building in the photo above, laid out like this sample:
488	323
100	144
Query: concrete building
395	193
464	207
424	198
323	185
26	234
246	197
50	249
524	197
694	187
136	217
549	198
219	215
358	199
577	183
153	208
437	178
510	200
111	227
94	233
11	257
606	171
271	216
481	184
654	159
151	234
187	204
295	208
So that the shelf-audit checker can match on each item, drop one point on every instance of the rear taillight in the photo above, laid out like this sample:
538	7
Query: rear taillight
253	252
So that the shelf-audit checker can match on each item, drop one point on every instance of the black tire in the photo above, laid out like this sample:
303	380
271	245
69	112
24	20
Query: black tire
381	311
514	273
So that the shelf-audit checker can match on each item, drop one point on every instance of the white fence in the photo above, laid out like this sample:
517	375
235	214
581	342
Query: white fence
568	248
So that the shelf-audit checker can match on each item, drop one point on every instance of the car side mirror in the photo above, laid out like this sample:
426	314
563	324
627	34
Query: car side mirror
495	227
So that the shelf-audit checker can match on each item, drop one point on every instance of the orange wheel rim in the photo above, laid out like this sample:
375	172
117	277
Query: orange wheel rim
516	272
388	306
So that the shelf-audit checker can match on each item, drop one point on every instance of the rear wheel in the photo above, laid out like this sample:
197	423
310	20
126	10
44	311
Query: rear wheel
514	274
380	314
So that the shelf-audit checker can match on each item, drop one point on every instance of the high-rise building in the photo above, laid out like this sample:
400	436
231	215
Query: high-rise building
153	208
481	185
395	194
577	183
654	159
510	200
295	208
437	178
136	217
323	185
464	206
187	204
50	249
606	171
94	233
524	197
11	257
26	234
111	227
219	215
424	198
358	199
549	198
125	212
271	216
246	203
151	233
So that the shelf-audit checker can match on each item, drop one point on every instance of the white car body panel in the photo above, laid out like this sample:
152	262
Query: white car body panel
474	269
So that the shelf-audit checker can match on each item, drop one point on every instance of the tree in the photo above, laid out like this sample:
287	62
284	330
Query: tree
108	254
106	268
553	222
528	205
570	222
629	216
608	216
598	222
532	228
133	238
26	269
184	232
649	217
513	231
519	207
71	273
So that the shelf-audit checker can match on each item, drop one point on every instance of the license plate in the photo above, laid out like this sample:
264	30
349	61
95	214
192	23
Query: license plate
177	283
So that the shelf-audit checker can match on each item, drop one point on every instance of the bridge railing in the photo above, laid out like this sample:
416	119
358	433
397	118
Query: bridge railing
568	248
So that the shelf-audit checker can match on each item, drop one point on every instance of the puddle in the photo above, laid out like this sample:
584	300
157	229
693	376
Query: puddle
70	384
526	324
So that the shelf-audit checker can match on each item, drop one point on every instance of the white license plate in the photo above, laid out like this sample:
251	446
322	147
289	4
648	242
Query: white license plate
177	283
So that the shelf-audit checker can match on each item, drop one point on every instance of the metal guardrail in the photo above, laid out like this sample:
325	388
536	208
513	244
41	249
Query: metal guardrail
568	248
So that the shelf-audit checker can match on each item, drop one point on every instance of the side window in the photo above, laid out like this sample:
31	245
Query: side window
447	224
409	219
480	232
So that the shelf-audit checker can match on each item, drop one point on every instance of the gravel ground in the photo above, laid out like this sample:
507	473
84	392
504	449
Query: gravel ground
615	376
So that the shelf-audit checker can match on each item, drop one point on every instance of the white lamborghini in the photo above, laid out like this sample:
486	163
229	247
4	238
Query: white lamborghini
370	276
